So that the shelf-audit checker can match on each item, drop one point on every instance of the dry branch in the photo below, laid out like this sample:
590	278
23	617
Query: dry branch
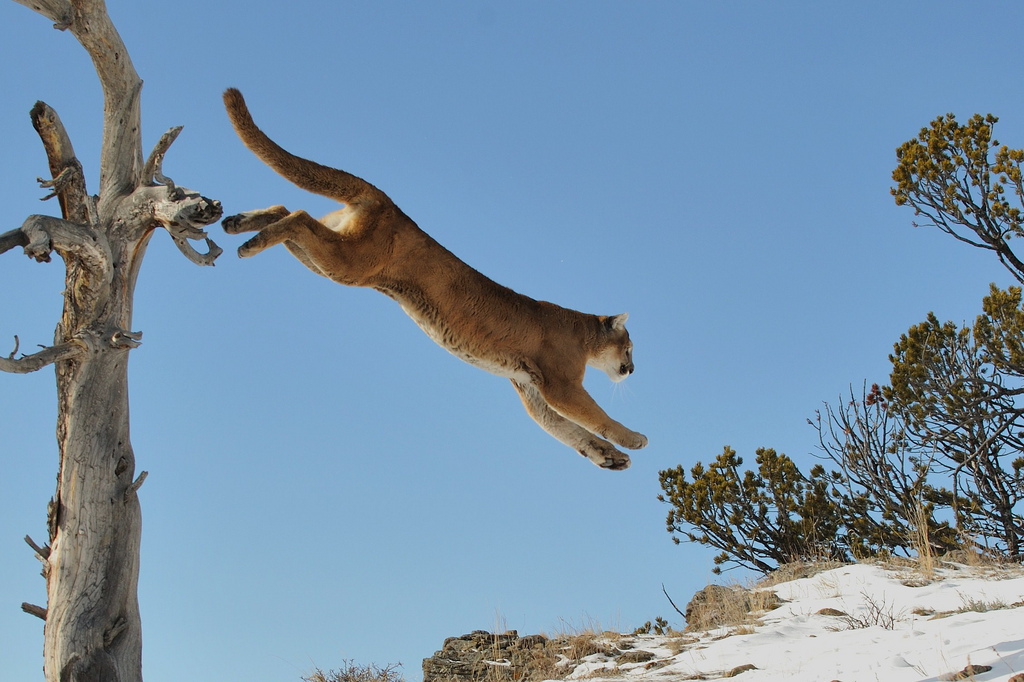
136	484
114	632
187	250
153	170
31	363
665	592
47	234
33	610
68	180
11	239
42	552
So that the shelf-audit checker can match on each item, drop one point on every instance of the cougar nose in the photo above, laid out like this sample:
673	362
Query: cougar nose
626	368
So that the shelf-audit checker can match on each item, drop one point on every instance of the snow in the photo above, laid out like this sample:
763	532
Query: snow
961	616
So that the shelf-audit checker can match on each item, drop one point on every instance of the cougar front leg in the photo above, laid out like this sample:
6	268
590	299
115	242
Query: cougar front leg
601	453
576	405
251	221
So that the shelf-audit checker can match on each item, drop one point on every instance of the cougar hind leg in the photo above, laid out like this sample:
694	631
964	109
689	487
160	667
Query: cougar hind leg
253	221
304	258
298	227
600	452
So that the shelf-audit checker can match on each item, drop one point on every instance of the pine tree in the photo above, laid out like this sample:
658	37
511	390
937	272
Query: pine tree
957	176
759	520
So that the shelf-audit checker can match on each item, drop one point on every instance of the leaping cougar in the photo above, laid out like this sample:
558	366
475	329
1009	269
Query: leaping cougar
543	348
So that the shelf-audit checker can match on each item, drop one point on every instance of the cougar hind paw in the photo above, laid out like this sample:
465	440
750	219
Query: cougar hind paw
253	221
233	224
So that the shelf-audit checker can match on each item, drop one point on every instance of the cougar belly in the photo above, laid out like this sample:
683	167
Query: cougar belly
463	345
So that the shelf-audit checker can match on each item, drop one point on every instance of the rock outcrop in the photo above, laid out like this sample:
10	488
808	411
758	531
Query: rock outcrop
718	605
482	656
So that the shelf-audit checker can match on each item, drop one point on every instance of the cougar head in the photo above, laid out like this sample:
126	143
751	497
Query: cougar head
614	356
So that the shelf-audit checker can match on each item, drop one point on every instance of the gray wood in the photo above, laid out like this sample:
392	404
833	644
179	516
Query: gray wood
92	630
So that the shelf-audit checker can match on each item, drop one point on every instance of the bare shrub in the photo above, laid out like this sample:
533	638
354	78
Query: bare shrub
353	672
877	612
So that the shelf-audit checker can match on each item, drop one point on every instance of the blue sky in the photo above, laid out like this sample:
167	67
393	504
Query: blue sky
326	483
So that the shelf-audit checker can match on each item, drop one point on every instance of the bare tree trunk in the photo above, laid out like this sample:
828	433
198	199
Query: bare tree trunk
91	564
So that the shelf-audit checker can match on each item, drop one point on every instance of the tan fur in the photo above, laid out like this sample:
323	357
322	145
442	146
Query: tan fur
543	348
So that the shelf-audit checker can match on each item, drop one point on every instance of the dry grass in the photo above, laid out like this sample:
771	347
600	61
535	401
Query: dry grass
586	638
921	543
976	605
925	568
679	644
545	664
829	586
762	601
990	565
580	646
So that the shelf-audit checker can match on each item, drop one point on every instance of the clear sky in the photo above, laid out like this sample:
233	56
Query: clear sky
325	482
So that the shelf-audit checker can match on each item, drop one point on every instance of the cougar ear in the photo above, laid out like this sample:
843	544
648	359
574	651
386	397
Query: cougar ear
617	322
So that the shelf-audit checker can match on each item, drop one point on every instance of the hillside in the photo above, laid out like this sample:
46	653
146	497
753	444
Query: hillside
851	623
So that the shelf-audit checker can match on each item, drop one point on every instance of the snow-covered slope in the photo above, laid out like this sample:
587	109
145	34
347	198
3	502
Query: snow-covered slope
854	623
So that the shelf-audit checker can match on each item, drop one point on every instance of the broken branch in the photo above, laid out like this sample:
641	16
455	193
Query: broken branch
115	631
665	592
46	234
123	338
68	181
153	170
33	610
57	184
136	484
42	552
208	258
184	213
30	363
11	239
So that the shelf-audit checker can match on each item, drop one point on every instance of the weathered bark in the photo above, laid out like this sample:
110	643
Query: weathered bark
92	627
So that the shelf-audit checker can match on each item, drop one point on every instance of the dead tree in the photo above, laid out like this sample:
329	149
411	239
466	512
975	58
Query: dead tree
92	628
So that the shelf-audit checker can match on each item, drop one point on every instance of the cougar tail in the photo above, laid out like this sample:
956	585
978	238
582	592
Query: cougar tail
309	175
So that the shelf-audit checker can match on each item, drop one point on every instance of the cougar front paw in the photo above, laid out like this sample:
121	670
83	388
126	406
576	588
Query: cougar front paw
635	441
605	455
627	439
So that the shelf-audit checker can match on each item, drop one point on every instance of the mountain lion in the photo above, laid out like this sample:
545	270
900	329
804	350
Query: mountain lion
543	348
